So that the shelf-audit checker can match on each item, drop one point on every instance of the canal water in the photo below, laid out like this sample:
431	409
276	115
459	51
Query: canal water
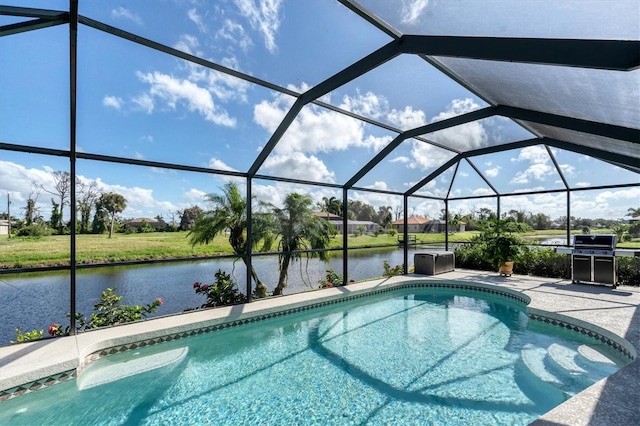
34	301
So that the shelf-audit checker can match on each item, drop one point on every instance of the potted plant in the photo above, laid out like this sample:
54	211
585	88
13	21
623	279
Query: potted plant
501	245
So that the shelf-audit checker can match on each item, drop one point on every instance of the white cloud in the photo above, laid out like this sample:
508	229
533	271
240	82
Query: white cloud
426	156
531	189
140	201
123	13
411	10
534	172
482	191
493	172
233	32
17	181
263	17
465	136
533	154
631	195
379	185
143	102
539	169
112	102
368	105
315	129
174	91
192	14
400	159
297	165
407	118
551	204
194	195
567	169
188	44
217	164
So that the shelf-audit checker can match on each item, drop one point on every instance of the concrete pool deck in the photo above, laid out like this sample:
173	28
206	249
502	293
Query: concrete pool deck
611	401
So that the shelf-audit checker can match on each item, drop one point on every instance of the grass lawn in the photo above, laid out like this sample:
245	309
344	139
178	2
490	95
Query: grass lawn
54	250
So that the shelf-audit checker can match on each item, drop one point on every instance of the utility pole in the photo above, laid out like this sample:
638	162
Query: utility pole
9	213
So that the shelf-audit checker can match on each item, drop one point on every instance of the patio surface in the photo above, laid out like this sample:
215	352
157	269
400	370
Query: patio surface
611	401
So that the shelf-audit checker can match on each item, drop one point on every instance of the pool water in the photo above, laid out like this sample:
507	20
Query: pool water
414	356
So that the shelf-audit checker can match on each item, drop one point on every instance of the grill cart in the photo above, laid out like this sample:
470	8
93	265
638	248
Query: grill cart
593	259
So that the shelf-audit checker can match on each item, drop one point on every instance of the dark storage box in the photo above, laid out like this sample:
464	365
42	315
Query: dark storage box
434	262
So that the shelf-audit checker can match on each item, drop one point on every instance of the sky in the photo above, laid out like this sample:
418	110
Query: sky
134	102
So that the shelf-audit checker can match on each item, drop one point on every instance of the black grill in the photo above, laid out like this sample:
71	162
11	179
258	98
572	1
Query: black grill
593	259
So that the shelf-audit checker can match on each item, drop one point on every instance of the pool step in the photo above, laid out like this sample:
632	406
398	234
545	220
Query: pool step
534	357
566	369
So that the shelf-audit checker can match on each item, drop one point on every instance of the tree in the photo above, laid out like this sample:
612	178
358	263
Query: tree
189	217
620	229
634	212
229	213
384	216
332	205
539	221
485	214
56	215
298	230
31	211
361	211
100	218
61	188
112	203
87	194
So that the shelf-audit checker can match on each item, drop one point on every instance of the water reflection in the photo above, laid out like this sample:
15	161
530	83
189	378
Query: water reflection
36	300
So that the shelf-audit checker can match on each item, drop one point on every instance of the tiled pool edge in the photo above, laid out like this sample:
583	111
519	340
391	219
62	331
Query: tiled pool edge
124	343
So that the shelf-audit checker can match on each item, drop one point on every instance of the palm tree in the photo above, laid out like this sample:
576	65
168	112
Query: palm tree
384	216
332	205
229	213
634	212
112	203
298	230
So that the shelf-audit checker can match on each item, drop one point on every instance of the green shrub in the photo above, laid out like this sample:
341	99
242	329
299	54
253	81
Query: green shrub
331	279
35	230
28	336
543	262
222	292
388	271
472	256
628	269
108	312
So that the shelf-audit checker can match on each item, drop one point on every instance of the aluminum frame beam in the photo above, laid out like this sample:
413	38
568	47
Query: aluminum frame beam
619	55
369	62
585	126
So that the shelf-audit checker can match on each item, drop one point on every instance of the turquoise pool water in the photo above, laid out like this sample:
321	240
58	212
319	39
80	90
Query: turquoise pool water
414	356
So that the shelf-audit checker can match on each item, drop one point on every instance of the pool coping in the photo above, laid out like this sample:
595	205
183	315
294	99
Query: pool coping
23	368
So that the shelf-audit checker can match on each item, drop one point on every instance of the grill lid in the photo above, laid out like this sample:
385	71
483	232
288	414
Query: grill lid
594	241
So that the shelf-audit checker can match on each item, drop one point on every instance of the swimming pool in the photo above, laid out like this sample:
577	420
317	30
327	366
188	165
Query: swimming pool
407	356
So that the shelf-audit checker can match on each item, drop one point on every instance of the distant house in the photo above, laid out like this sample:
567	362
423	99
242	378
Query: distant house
327	215
352	225
419	224
4	227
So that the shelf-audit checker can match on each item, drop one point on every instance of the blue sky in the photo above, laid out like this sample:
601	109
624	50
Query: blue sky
137	103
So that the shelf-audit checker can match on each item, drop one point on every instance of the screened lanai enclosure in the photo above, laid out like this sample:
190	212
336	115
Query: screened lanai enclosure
417	108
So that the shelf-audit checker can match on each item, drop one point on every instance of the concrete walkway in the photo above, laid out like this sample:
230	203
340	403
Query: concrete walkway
612	401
